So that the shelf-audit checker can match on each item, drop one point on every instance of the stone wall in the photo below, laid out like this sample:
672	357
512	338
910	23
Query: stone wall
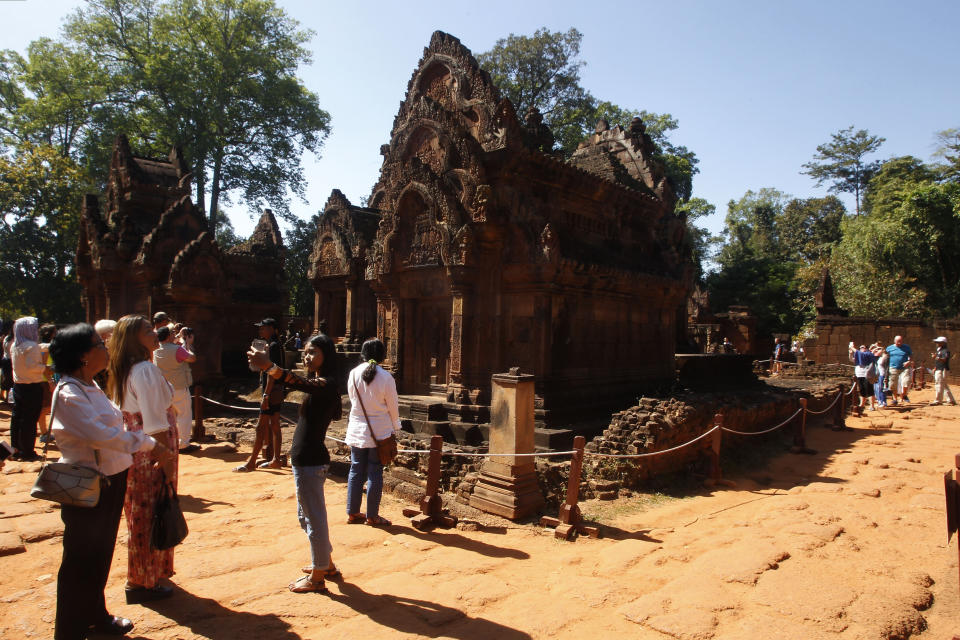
834	334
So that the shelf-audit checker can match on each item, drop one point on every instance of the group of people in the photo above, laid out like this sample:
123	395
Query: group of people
884	374
118	406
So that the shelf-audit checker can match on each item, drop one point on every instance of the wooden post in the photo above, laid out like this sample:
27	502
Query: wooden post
840	421
951	485
855	407
570	520
199	432
431	506
800	436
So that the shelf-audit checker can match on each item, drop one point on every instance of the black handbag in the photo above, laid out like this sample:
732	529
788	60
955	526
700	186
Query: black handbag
169	526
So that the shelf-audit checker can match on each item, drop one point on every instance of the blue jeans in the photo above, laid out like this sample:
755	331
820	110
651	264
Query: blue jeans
312	512
365	467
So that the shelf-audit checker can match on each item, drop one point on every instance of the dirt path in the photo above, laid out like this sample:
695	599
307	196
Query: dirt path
846	544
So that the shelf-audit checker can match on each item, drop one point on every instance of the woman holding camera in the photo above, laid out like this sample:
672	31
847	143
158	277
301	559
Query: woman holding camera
139	388
89	432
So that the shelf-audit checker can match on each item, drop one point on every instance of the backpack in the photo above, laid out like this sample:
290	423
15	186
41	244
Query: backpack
872	375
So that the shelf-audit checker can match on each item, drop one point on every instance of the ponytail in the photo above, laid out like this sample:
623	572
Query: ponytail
374	352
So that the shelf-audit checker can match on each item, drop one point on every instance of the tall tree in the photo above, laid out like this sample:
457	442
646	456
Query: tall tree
218	77
842	162
697	237
299	243
948	148
542	71
40	193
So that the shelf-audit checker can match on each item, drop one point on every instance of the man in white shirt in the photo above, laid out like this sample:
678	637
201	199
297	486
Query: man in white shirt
173	361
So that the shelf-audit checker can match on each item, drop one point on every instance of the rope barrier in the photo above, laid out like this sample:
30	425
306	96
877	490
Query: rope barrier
771	429
820	413
652	453
230	406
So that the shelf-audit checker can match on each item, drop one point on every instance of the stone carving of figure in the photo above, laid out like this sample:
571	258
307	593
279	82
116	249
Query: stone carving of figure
549	244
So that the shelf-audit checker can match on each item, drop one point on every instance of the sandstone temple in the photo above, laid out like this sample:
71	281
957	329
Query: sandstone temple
481	250
148	249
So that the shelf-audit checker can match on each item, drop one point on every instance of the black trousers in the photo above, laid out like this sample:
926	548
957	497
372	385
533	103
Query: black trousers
89	536
27	403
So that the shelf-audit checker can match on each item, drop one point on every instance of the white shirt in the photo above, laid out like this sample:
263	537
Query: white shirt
27	361
148	393
84	420
380	401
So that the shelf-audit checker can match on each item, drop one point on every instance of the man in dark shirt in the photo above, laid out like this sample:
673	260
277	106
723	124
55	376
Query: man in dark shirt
269	436
941	366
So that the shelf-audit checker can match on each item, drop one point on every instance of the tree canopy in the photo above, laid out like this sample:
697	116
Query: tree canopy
842	162
542	71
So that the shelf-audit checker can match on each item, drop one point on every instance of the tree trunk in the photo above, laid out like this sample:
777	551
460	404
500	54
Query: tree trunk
215	194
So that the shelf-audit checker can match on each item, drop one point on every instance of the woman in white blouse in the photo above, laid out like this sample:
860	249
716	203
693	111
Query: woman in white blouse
146	398
89	432
28	369
373	408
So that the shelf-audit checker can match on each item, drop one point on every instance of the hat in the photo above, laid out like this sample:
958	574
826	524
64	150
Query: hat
266	322
941	339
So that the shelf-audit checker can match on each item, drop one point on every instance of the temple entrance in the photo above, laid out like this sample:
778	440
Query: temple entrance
426	346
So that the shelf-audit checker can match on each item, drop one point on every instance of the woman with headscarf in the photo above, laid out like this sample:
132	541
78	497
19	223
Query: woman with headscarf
145	398
28	381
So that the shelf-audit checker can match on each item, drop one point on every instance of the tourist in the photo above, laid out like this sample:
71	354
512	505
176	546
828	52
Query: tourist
104	329
46	332
901	357
309	457
6	368
941	369
863	359
137	386
28	367
174	360
374	413
268	435
882	358
778	352
160	319
89	431
727	346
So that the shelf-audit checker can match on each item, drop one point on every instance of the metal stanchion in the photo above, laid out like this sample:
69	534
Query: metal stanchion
431	506
570	521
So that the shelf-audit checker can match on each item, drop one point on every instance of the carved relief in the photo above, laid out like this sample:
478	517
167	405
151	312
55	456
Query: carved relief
481	198
328	261
549	245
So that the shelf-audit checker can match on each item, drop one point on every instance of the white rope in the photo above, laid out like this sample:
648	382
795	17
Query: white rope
652	453
820	413
230	406
760	433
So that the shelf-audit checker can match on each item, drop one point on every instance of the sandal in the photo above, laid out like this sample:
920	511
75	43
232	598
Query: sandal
242	469
356	518
378	521
330	573
304	584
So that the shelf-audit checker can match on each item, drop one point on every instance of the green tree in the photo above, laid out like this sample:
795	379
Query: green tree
542	71
218	77
40	195
698	238
842	162
948	148
299	243
809	228
903	257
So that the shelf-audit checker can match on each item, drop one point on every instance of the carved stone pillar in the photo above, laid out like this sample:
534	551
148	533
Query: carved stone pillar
351	330
508	485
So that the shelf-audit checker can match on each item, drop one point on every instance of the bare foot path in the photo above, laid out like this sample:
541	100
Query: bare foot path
846	544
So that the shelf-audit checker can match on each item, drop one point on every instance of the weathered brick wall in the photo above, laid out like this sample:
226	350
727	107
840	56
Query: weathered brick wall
834	334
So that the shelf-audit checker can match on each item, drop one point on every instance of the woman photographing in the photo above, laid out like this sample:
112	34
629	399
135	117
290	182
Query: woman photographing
89	432
145	397
309	457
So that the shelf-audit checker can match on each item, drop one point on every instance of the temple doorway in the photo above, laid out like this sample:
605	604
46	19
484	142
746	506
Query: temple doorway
426	346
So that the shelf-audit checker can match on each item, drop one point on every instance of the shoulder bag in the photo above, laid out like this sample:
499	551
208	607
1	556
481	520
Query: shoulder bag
69	484
169	526
386	448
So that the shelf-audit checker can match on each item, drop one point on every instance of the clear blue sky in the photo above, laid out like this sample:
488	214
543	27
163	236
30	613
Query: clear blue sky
755	85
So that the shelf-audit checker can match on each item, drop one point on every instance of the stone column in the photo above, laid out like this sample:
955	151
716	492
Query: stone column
508	485
350	321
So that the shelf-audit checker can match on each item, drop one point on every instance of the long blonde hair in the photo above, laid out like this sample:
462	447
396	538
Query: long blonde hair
126	350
